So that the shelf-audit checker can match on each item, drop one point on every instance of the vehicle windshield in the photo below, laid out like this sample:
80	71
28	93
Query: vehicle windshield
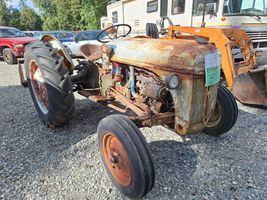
245	7
62	35
87	35
40	34
10	33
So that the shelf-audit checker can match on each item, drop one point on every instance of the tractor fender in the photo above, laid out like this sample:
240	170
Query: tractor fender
61	50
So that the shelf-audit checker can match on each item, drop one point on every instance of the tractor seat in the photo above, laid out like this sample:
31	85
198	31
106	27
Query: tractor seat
91	52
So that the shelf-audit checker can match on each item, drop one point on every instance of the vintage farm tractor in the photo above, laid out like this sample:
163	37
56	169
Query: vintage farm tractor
174	83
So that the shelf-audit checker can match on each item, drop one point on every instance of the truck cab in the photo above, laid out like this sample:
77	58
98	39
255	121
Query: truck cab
250	15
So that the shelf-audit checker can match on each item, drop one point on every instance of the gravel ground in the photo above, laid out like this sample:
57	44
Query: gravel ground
39	163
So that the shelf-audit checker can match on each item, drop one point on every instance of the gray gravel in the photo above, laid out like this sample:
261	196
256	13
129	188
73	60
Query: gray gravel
40	163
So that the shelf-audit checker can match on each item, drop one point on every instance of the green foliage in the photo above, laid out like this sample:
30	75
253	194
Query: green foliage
64	17
47	7
92	11
75	12
29	20
4	13
14	20
50	23
25	19
22	4
56	14
71	15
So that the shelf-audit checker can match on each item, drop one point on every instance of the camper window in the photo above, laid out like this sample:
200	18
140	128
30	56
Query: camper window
211	7
152	6
115	17
178	6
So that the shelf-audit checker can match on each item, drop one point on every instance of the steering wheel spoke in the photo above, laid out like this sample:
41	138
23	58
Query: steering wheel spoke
111	33
110	37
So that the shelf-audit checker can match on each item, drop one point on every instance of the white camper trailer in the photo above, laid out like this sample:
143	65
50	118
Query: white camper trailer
250	15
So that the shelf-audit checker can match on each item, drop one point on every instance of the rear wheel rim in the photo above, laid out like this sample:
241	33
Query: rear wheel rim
117	160
38	86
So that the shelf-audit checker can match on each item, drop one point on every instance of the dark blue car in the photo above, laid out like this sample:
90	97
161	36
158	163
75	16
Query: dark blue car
62	36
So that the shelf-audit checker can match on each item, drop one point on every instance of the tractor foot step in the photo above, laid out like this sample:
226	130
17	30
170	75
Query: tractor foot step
99	98
94	96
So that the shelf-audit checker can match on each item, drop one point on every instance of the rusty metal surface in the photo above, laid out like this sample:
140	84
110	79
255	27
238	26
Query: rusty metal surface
193	104
99	99
211	100
165	55
182	101
192	101
116	158
38	85
94	96
251	88
246	87
22	79
91	52
106	82
225	40
152	120
117	108
127	103
133	75
87	93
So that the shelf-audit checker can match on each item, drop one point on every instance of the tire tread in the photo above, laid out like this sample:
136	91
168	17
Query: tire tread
56	75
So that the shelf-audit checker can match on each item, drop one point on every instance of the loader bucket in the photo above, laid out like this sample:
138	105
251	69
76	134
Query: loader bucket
251	88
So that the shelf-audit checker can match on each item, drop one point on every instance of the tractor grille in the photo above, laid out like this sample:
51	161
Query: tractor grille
259	39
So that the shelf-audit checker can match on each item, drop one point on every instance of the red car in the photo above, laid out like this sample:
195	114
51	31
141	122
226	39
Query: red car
12	44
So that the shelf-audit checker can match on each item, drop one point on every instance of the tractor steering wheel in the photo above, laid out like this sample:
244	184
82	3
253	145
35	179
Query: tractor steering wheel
113	32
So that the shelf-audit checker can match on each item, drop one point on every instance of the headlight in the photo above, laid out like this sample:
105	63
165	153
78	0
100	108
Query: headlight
172	81
19	46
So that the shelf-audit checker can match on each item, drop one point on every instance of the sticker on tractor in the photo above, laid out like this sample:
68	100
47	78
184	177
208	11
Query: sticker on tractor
212	68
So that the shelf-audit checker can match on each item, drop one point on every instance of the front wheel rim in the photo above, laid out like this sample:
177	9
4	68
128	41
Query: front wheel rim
117	160
215	117
38	86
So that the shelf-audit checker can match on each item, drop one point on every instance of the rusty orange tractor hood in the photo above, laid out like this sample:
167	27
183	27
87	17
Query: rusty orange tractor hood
183	56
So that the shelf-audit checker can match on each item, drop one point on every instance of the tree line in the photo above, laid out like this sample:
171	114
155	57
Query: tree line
24	18
72	15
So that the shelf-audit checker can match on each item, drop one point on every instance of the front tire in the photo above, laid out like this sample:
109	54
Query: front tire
49	84
224	115
126	156
9	57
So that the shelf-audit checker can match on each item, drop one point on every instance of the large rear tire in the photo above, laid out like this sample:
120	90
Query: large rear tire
224	115
126	156
49	84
